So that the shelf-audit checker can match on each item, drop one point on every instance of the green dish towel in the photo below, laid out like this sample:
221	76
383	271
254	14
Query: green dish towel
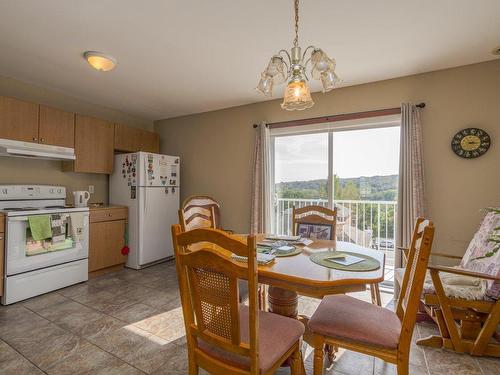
40	227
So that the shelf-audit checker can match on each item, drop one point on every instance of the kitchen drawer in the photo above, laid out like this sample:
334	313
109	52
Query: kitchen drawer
108	214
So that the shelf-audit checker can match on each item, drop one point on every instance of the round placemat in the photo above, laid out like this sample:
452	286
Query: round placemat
368	264
297	250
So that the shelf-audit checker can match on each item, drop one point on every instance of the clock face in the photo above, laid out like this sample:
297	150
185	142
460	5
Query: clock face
470	143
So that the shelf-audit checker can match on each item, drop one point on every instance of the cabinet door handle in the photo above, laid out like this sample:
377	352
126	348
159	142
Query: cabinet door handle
35	138
42	139
110	214
1	237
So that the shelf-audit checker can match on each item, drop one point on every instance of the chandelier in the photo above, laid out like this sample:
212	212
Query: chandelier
297	95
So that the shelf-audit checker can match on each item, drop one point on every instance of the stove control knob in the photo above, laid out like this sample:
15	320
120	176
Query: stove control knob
59	191
4	191
51	191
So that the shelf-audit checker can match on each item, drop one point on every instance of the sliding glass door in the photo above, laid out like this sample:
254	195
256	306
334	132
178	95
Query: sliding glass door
354	169
300	175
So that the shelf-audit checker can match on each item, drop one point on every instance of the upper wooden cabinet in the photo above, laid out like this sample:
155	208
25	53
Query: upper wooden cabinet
56	127
93	146
30	122
18	120
129	139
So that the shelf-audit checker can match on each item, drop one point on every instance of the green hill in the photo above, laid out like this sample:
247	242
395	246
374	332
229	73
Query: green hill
366	188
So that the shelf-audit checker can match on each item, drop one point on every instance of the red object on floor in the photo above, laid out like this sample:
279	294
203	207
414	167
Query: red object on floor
125	250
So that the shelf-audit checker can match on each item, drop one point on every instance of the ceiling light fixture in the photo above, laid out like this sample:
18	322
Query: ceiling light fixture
100	61
297	95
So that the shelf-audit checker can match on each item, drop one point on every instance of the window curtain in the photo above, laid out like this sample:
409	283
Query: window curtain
411	178
261	182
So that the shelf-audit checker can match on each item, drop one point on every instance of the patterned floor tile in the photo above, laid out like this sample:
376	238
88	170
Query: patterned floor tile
43	301
13	363
130	322
136	313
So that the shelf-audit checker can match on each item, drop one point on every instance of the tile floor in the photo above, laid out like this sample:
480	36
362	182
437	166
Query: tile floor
130	322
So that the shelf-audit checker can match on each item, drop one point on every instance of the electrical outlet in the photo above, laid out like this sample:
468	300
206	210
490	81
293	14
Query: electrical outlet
91	189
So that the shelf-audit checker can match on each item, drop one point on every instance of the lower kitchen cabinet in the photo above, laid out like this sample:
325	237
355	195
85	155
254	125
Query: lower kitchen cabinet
2	251
107	239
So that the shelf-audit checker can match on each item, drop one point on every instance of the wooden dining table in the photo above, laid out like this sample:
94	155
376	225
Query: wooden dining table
291	276
285	278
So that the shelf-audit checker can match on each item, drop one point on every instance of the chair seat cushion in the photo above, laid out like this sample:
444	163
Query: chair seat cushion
277	334
458	286
347	318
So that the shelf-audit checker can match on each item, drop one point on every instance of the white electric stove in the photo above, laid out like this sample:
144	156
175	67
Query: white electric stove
34	267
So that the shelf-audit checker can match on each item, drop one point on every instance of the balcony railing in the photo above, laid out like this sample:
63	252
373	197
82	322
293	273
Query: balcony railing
366	223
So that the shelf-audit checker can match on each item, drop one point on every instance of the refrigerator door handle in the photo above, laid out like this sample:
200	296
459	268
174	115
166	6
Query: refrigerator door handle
145	175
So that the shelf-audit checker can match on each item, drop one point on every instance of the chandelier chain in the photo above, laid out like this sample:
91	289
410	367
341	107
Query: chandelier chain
296	40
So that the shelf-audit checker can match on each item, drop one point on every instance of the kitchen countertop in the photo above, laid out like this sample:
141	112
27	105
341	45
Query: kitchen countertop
105	207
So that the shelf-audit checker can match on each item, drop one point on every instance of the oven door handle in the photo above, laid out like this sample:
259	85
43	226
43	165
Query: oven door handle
17	218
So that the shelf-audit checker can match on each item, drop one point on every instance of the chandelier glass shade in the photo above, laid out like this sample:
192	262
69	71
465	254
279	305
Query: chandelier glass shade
291	66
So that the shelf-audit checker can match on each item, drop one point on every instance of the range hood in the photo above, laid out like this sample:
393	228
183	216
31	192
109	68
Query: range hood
9	147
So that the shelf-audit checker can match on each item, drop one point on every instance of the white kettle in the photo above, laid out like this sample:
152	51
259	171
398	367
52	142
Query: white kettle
80	198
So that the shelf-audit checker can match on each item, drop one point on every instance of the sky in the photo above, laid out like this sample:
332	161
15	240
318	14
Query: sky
369	152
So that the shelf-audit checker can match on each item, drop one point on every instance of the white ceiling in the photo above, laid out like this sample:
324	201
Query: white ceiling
186	56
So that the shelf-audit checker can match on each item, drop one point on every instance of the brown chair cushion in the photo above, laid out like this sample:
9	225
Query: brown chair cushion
277	334
347	318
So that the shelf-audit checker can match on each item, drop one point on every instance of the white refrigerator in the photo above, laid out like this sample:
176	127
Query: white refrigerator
148	184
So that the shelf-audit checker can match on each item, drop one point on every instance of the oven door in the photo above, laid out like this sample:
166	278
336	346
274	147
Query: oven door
24	254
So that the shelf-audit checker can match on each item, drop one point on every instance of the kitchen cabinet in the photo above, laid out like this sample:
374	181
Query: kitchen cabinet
107	238
94	140
30	122
2	250
129	139
56	127
18	120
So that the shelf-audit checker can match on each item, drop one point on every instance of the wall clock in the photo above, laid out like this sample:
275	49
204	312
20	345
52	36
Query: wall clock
470	143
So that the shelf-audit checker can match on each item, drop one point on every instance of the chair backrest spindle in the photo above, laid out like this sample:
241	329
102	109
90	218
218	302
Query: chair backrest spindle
413	280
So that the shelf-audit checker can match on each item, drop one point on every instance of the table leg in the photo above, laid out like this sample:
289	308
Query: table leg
283	301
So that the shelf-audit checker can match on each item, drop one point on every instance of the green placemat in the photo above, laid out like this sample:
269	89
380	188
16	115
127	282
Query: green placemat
265	250
368	264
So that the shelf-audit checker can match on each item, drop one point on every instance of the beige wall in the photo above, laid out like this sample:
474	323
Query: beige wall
216	147
20	170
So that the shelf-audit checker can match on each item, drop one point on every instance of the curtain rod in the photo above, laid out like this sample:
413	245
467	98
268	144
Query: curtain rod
340	117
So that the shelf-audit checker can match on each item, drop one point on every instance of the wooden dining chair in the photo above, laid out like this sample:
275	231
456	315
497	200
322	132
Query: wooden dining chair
199	211
344	321
223	336
317	222
202	211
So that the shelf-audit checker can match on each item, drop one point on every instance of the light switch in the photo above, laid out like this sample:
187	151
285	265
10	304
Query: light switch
91	189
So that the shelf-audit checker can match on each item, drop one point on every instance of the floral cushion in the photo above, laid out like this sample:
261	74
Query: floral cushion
482	255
